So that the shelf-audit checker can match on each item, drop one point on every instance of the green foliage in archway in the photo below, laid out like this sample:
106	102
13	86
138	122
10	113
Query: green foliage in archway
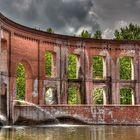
98	96
97	67
125	68
72	66
48	63
72	95
20	82
125	96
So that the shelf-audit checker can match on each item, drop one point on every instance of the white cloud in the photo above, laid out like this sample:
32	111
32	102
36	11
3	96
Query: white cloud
73	16
120	24
22	4
107	33
71	30
88	28
93	13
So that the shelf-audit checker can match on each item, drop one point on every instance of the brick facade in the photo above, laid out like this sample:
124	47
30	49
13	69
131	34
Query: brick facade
20	44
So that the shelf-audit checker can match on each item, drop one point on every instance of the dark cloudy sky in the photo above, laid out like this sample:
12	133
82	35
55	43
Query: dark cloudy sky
71	16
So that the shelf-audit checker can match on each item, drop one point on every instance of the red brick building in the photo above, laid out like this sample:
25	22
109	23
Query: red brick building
20	44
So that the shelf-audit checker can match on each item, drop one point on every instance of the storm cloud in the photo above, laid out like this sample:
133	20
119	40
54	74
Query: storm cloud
72	16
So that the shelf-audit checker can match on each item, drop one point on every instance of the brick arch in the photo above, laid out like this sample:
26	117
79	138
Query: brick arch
28	79
28	69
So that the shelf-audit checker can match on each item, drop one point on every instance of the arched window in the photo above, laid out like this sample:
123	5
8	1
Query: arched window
73	95
50	96
98	68
20	82
127	96
24	81
49	64
126	68
99	96
73	66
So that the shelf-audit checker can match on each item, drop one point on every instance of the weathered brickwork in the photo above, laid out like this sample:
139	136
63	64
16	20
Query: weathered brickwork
24	45
87	114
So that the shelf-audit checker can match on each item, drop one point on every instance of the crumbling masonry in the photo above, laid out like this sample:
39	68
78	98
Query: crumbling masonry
20	44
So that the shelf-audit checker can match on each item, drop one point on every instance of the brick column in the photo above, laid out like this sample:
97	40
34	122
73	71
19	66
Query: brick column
137	78
88	77
63	73
115	78
108	65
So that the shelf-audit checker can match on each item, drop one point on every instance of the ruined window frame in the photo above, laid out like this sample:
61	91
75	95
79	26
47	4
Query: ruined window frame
104	95
77	63
132	96
53	64
132	68
103	58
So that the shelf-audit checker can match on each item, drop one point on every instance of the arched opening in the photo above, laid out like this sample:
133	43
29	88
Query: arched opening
74	95
49	64
99	96
50	96
20	82
73	66
24	82
127	96
98	68
126	68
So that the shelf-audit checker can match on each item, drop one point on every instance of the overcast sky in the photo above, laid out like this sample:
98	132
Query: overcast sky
72	16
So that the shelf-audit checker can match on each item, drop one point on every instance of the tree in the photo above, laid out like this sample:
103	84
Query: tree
50	30
85	34
97	35
132	32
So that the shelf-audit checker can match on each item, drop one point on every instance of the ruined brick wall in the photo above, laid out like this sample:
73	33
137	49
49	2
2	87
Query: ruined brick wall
24	45
88	114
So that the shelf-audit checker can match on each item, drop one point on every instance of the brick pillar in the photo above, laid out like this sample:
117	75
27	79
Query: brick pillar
29	90
137	78
12	96
41	97
63	73
41	72
108	65
81	76
88	90
88	77
57	71
115	77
